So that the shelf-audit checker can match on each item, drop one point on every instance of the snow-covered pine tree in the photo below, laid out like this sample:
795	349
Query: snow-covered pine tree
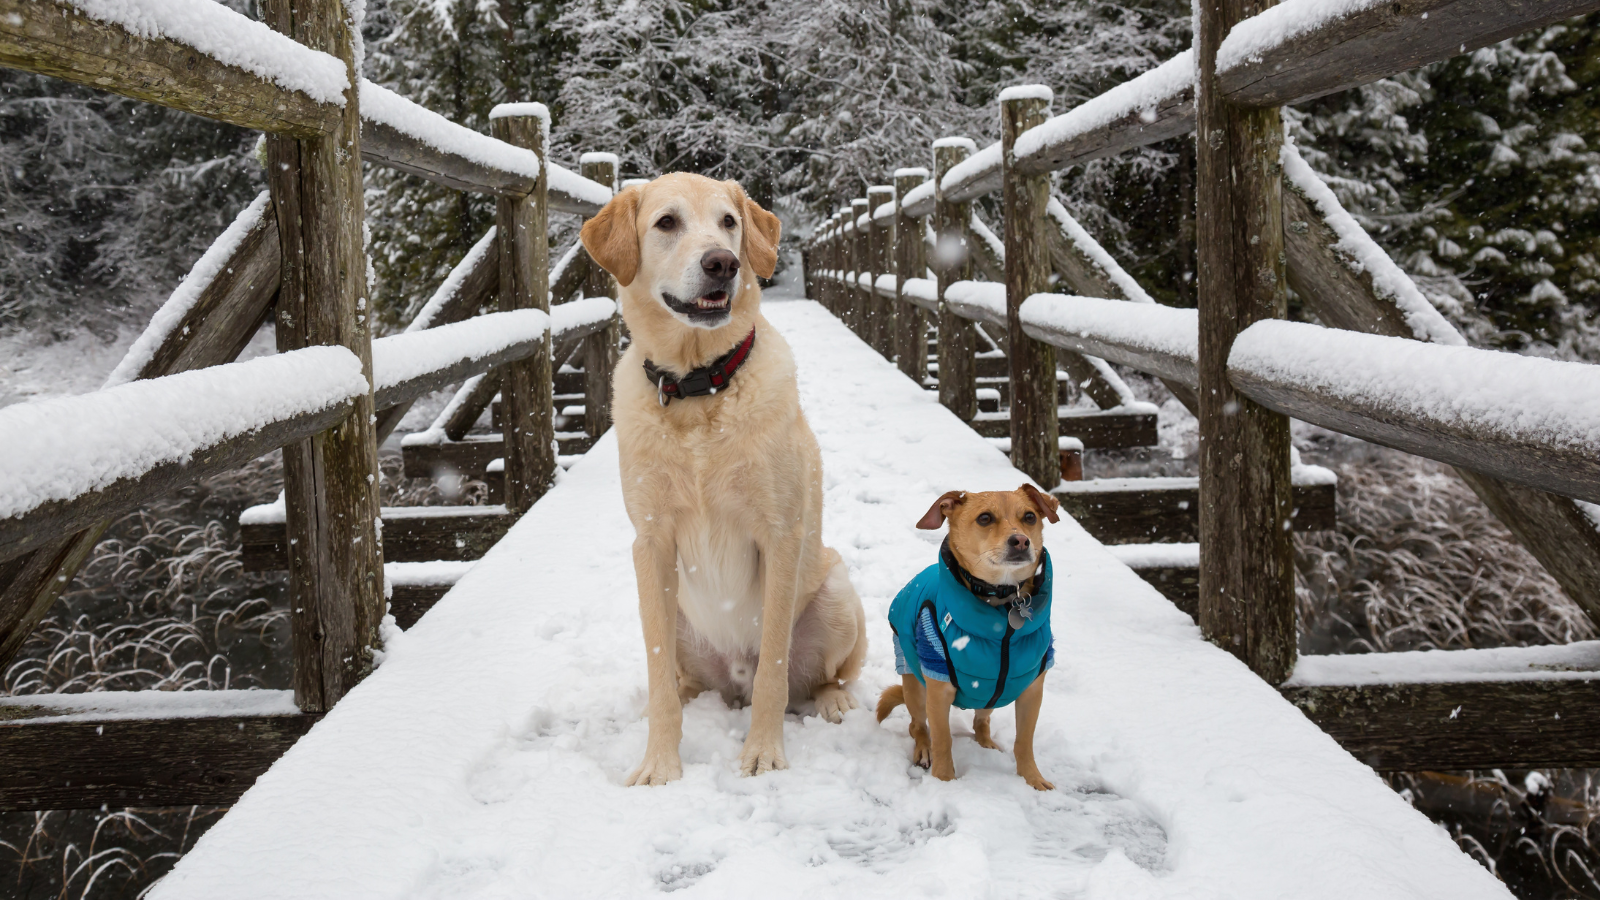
106	202
673	85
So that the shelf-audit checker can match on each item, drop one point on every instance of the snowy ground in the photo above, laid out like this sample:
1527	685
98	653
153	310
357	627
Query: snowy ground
485	757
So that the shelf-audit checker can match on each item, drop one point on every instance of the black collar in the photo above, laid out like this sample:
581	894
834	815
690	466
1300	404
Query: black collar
992	594
702	381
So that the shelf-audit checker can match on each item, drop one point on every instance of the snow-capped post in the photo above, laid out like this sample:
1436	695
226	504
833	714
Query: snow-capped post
1247	603
824	258
330	482
601	349
838	299
859	302
910	334
1035	431
952	262
525	392
881	261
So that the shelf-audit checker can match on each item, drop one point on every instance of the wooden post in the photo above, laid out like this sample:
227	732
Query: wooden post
1247	603
330	485
601	349
880	259
910	333
836	264
859	301
1035	431
958	342
525	392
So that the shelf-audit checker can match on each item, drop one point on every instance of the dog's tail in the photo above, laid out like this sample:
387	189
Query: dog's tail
892	696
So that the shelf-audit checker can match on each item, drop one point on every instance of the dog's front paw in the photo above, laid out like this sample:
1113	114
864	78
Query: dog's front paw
657	769
761	756
1036	781
833	701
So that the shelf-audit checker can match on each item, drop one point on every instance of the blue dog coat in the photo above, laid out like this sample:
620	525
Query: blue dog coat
946	632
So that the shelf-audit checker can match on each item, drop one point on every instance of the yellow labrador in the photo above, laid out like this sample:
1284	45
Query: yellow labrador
721	474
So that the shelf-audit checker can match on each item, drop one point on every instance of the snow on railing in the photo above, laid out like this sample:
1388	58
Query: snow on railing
1091	248
1156	339
1525	419
63	448
407	364
385	107
1389	281
580	315
230	38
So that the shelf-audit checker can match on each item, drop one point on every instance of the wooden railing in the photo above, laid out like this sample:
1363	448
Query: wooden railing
327	398
1265	223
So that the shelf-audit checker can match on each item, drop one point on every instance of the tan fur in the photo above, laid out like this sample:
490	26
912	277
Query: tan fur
981	528
737	594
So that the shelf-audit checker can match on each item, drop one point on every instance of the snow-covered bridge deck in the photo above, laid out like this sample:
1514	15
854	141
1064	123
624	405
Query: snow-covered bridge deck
485	757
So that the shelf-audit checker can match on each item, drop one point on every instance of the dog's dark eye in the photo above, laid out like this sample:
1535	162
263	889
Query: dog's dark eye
1029	518
729	222
666	223
985	519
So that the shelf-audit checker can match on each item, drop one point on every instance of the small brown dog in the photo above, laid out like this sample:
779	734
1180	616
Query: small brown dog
973	630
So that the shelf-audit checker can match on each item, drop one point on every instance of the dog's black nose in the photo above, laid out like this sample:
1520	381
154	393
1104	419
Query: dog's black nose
720	263
1017	542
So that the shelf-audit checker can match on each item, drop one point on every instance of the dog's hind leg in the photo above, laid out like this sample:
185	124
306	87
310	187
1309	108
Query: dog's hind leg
845	622
917	705
980	729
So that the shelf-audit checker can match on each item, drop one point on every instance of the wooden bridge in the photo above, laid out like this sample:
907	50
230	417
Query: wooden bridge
910	260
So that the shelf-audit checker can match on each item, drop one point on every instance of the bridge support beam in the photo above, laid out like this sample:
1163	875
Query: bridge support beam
952	252
1034	429
525	385
880	261
330	481
859	300
1247	601
910	334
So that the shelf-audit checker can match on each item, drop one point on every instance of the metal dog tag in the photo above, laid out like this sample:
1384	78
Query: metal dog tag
1015	618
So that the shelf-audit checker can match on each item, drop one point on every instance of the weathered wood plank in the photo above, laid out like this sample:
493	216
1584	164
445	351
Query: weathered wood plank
1167	510
1247	602
952	262
385	145
1552	527
1033	366
229	310
1455	726
1172	116
57	519
524	284
410	534
50	37
1436	434
468	409
139	762
330	480
1384	39
1098	429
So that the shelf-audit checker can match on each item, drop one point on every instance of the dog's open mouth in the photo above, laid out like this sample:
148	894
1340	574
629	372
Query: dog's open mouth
709	311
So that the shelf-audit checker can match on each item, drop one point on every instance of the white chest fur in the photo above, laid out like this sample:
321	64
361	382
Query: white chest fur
719	582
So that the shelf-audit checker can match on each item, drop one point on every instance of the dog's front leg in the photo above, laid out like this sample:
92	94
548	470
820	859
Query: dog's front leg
763	746
655	564
1027	720
941	694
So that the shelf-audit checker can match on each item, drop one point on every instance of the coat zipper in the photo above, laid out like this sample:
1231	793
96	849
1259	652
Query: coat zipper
1005	664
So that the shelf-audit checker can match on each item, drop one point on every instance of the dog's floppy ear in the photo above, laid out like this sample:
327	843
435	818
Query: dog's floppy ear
761	232
612	236
941	508
1043	502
